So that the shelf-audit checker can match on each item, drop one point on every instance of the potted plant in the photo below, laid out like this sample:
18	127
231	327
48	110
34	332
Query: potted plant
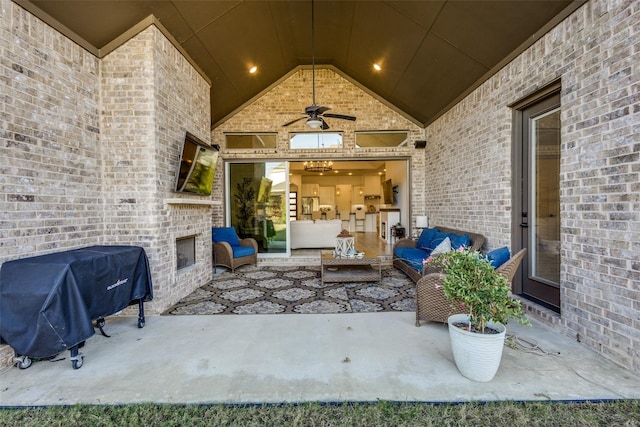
484	295
245	196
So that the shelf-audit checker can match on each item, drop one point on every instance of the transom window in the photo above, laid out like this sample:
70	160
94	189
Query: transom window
244	141
315	140
381	139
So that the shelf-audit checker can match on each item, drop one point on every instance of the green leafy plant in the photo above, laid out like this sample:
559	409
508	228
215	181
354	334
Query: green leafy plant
471	281
245	196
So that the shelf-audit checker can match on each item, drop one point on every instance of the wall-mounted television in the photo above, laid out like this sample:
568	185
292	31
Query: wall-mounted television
197	167
264	192
387	192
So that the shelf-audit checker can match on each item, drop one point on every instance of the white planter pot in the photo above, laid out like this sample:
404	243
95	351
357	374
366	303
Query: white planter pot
477	356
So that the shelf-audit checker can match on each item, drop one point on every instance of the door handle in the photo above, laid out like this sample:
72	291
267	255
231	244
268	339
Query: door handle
525	220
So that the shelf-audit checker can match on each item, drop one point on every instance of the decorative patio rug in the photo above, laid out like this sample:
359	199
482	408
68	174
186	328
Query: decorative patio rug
296	289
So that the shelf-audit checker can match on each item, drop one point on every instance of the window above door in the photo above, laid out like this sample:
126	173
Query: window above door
381	139
315	140
245	141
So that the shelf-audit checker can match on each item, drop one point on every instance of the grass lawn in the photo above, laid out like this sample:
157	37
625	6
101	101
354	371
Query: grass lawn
618	413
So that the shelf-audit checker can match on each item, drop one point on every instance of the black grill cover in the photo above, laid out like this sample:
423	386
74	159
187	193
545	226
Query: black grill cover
48	302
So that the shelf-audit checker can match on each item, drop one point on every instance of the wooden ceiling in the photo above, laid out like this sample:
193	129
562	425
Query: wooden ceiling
431	53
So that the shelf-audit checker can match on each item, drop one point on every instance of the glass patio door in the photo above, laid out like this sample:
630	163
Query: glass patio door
540	224
258	202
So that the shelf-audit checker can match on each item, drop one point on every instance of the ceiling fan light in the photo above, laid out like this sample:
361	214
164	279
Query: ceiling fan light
314	123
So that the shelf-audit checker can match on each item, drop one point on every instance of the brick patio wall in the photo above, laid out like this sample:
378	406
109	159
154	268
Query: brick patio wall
89	150
50	162
151	95
182	104
596	54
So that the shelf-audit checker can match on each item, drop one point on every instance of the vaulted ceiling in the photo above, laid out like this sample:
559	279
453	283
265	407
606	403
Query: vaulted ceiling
430	53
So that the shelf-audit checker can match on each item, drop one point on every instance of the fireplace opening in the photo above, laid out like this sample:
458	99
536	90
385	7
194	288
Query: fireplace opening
185	251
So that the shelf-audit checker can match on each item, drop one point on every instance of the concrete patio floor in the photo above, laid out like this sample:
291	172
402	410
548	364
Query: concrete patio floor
296	358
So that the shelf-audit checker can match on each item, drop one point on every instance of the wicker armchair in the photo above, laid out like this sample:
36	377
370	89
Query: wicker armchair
431	305
223	252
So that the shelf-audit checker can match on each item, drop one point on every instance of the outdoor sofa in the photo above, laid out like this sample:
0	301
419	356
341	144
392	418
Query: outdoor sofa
408	254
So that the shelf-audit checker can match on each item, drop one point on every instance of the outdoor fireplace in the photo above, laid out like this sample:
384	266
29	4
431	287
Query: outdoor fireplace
185	251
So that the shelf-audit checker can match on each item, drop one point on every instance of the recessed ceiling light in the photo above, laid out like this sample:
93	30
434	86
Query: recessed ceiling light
377	67
350	174
253	69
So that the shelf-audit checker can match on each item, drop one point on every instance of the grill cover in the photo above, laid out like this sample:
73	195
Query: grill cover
48	302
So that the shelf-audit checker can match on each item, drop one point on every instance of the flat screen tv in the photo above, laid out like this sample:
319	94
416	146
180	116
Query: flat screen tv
264	192
197	166
387	192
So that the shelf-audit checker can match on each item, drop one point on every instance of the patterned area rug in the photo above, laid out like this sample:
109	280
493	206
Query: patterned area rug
296	289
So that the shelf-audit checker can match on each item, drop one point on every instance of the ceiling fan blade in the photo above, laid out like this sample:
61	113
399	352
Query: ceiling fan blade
325	126
340	116
315	109
293	121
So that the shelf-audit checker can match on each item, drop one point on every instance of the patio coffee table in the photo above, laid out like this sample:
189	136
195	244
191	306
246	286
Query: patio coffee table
343	269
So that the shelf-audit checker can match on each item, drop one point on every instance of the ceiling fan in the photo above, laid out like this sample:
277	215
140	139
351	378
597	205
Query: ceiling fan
315	114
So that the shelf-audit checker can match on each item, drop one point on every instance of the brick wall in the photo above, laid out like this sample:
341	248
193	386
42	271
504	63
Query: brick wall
50	153
596	54
293	94
151	96
182	98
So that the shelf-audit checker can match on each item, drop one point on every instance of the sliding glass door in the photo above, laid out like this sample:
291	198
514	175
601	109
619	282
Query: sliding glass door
258	203
264	197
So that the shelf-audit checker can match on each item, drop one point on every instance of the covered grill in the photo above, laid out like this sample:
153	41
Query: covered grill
48	302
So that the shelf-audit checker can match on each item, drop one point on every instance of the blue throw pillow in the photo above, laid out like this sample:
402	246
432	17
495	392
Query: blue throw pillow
424	242
225	234
457	241
497	257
